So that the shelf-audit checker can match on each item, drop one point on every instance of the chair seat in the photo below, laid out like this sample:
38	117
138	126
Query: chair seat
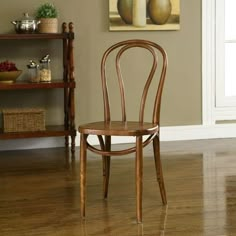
119	128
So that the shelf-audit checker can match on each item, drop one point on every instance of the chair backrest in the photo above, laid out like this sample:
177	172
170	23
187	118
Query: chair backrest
157	70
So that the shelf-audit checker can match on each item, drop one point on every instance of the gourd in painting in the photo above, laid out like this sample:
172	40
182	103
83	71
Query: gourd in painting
159	11
125	8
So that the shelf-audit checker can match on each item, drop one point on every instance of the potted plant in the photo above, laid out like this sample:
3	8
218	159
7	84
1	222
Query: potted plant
47	14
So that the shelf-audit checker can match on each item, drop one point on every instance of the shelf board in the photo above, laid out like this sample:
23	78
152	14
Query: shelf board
50	131
35	36
42	85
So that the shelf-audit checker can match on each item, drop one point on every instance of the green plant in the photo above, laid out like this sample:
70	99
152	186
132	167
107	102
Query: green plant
47	10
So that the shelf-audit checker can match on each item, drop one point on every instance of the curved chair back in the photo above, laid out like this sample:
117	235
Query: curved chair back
157	53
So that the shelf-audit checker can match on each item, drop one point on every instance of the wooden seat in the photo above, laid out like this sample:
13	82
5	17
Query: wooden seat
143	131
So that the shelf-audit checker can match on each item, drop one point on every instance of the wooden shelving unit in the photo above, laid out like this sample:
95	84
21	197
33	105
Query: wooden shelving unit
67	83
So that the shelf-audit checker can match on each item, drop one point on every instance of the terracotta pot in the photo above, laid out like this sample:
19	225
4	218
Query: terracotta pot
124	8
159	11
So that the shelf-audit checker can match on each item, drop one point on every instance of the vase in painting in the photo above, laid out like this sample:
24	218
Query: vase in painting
125	10
159	11
139	13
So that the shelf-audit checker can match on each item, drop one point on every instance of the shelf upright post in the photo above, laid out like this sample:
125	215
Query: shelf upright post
65	78
72	90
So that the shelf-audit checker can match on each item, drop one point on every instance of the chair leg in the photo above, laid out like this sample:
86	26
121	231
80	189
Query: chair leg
139	177
106	167
83	160
160	179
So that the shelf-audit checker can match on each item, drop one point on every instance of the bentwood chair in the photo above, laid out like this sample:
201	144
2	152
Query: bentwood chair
144	132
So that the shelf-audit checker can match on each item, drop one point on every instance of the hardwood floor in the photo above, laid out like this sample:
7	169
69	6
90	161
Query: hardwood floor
39	193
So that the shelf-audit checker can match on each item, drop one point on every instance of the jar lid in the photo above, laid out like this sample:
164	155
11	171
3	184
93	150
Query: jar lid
26	18
45	59
32	64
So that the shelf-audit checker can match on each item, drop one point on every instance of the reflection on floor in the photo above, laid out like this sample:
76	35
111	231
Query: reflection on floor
40	193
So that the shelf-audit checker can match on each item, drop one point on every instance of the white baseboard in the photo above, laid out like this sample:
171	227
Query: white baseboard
196	132
171	133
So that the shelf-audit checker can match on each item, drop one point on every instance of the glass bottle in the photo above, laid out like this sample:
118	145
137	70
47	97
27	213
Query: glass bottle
33	72
45	70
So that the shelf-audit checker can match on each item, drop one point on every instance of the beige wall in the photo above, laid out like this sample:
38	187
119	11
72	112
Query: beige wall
182	94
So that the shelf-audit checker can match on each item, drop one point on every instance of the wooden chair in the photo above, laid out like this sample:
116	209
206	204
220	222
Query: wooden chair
107	128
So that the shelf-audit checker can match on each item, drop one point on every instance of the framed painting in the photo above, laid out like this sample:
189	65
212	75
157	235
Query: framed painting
141	15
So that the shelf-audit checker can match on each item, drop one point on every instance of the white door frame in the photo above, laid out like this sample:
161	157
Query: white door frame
208	61
211	113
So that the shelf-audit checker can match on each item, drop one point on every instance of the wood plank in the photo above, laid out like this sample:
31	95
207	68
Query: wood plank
40	192
33	36
28	85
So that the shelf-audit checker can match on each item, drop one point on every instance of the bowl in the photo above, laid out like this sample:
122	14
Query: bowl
9	76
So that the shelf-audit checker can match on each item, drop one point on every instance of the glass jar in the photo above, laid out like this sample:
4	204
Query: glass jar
33	72
45	70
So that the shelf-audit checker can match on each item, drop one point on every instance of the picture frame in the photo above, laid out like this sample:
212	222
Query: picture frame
144	15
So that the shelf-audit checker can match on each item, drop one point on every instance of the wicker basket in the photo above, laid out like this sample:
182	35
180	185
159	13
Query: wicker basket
48	25
23	120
